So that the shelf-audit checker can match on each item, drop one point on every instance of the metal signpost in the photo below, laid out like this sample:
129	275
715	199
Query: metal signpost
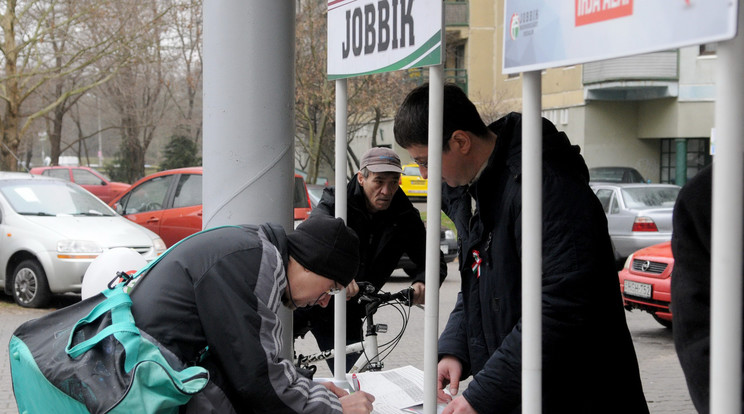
540	35
378	37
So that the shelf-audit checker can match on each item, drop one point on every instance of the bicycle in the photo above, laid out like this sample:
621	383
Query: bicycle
372	354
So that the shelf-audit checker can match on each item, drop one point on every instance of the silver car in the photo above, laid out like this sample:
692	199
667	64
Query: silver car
52	230
638	215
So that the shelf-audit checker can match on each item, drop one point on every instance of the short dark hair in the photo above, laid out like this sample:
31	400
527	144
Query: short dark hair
412	119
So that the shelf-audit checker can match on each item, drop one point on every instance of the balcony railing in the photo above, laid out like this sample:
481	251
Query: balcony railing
456	13
457	76
650	66
640	77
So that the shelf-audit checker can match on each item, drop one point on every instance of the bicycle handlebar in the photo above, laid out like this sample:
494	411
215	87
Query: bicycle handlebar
369	294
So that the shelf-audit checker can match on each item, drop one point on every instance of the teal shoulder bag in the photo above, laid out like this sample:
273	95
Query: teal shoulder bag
90	357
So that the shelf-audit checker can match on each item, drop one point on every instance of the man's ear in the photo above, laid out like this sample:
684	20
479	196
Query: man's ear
360	178
460	141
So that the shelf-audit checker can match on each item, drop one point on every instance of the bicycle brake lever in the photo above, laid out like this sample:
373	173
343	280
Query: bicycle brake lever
366	287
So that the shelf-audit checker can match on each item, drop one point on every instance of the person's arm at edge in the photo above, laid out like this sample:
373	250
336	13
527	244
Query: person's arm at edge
327	203
416	251
691	286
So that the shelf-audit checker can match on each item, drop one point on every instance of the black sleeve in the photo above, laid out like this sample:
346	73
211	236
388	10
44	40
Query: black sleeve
691	285
327	203
416	250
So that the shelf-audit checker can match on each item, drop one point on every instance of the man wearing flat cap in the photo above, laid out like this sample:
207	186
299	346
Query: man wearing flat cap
213	299
387	225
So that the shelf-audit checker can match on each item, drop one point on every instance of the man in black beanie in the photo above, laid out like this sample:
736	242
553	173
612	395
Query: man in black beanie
213	299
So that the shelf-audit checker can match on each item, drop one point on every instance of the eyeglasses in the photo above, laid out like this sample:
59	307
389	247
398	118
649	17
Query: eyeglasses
423	164
334	290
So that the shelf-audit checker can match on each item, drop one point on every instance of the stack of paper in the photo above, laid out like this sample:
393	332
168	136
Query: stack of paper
396	390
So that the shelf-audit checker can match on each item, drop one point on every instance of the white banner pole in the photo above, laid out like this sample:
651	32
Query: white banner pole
726	243
339	337
531	243
433	230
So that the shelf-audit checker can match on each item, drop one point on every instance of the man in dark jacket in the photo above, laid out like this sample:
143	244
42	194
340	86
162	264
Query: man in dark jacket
586	343
387	225
213	299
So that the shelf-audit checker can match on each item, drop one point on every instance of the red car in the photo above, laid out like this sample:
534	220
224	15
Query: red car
646	281
170	203
86	177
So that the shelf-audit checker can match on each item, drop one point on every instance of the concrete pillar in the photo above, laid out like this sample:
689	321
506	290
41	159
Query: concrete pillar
249	116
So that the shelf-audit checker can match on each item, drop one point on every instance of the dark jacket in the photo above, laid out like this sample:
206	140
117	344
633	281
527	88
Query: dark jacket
222	289
383	238
691	241
586	344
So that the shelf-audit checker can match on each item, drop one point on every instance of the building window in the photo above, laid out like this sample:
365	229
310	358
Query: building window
698	157
708	49
460	56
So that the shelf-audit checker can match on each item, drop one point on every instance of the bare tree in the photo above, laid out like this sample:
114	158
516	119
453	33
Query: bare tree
493	107
370	98
47	48
138	92
185	91
10	89
314	94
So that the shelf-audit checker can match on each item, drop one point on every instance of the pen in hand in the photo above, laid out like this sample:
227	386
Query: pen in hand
355	382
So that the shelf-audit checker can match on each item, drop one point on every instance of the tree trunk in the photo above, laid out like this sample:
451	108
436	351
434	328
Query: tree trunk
11	140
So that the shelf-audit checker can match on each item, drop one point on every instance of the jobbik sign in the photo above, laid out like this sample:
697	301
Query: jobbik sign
547	33
376	36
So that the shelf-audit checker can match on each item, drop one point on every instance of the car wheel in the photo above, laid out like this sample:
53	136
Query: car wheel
30	286
665	323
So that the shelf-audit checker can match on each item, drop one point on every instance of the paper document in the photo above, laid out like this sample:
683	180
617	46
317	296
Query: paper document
396	390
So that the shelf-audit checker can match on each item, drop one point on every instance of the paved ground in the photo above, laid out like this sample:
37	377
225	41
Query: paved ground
662	377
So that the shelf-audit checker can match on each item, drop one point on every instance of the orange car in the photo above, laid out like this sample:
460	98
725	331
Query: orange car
646	281
170	203
86	177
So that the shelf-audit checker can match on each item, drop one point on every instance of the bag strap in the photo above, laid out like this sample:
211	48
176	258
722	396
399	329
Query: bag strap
122	326
189	380
119	303
132	282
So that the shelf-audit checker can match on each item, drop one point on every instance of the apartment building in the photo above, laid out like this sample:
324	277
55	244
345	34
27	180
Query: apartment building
653	112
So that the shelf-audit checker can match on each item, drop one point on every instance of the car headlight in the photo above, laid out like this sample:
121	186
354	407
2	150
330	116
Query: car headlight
449	234
159	245
78	249
628	262
78	246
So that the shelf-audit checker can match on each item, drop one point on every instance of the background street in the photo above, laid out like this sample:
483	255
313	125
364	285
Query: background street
663	381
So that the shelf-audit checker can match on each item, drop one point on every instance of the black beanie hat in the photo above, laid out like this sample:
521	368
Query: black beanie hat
324	245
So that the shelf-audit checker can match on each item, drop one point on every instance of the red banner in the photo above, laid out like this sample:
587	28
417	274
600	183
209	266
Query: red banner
594	11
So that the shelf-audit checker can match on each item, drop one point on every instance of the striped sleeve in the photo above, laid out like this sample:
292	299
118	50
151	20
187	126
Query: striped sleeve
295	391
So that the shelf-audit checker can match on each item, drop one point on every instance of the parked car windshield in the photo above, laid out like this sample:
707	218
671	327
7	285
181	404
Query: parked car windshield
615	175
51	198
412	171
316	193
645	197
